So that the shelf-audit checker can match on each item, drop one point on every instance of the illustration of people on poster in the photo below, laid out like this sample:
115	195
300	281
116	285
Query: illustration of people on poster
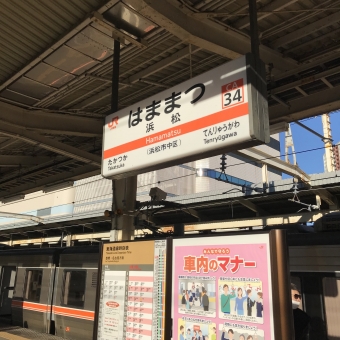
222	288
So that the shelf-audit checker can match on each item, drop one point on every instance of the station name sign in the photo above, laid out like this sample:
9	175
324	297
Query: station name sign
221	110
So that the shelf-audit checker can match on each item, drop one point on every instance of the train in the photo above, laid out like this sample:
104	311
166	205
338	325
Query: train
53	290
50	290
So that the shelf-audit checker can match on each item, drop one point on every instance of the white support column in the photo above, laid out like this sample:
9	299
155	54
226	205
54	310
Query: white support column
329	152
68	240
289	144
265	180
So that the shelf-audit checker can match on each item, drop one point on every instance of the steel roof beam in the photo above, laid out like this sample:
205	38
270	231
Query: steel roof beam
179	55
57	44
325	101
304	67
273	162
250	205
273	6
307	80
76	174
333	33
306	30
330	199
205	33
301	217
21	216
52	123
8	142
23	161
50	144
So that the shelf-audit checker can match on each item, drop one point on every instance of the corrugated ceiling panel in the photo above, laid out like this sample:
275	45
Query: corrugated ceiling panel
29	27
92	43
70	60
31	88
49	75
18	97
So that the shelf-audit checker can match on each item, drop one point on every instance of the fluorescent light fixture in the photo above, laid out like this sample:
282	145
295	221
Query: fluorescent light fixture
105	238
24	244
53	242
37	243
12	199
191	232
224	230
60	186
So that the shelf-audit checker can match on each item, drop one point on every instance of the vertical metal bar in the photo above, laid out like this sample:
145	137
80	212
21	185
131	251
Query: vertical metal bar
281	296
97	299
114	108
115	76
190	60
254	33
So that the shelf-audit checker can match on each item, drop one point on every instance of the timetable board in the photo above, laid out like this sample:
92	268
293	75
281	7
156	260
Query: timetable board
132	291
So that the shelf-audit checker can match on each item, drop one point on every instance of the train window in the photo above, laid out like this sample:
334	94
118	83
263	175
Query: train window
33	285
331	292
74	288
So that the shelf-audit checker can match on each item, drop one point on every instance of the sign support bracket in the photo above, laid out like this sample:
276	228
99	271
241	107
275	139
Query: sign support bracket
254	34
123	190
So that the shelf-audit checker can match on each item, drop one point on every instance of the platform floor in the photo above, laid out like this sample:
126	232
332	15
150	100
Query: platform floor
17	333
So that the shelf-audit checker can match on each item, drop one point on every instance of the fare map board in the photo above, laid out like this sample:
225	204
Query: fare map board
222	288
132	291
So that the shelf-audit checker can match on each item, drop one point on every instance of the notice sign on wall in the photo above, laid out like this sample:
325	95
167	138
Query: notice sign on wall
220	110
222	288
132	291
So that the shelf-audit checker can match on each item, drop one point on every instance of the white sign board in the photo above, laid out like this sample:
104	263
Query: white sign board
221	110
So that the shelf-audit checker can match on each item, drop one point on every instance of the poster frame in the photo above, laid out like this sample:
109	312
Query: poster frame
280	279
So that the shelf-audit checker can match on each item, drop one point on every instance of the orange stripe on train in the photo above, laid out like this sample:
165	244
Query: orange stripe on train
78	313
63	311
30	305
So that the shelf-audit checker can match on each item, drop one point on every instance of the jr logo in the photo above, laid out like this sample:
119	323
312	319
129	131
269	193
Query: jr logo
113	124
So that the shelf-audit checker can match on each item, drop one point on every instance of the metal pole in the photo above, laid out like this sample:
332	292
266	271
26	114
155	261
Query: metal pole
115	76
114	108
254	33
123	190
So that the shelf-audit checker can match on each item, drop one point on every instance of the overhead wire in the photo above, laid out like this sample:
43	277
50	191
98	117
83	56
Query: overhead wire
237	164
166	180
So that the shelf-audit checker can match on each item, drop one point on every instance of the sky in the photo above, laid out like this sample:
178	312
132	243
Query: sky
311	162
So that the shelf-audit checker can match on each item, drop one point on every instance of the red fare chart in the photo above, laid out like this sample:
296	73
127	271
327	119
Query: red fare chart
139	305
131	305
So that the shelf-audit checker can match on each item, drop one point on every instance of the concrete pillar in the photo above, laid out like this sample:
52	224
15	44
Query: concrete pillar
123	190
68	240
124	197
265	180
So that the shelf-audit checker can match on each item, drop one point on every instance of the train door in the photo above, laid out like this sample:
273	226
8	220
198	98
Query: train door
7	280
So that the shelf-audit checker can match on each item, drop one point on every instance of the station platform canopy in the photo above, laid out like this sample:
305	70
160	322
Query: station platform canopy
278	207
56	70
